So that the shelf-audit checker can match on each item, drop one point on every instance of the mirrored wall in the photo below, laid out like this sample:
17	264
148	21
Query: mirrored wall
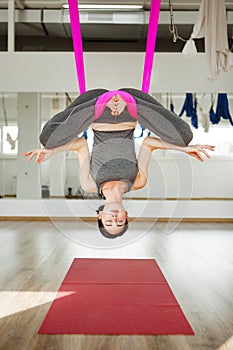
171	174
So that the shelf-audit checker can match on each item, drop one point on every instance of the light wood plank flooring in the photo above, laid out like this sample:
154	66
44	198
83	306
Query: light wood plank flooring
196	259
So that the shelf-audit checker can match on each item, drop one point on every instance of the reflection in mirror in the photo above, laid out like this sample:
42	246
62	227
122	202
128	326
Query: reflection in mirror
60	175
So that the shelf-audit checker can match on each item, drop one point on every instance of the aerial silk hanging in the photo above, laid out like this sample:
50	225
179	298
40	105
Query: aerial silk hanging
81	113
194	117
77	43
212	115
190	107
211	111
187	106
78	47
222	110
172	107
150	46
211	23
205	121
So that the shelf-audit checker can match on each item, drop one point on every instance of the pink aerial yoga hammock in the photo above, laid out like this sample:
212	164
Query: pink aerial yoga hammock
106	97
77	43
78	48
150	46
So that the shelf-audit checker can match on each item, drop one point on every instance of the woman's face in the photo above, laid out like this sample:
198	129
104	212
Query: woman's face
113	220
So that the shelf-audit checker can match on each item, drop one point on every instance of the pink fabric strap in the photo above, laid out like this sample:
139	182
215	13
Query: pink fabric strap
77	43
150	46
106	97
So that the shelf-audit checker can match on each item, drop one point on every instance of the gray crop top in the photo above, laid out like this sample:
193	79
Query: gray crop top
108	118
113	158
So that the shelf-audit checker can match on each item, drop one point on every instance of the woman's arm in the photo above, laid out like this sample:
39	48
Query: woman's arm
43	154
78	145
196	151
86	181
151	144
144	158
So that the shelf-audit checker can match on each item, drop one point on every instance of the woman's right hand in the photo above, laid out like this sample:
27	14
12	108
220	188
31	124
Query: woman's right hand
41	154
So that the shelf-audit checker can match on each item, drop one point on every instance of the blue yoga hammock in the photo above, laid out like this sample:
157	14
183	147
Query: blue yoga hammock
222	110
190	108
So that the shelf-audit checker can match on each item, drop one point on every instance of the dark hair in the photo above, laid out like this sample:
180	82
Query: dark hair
105	232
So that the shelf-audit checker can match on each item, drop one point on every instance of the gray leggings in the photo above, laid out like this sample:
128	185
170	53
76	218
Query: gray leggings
78	116
159	120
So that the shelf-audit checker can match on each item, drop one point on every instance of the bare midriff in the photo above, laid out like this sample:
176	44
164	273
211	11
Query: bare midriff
113	127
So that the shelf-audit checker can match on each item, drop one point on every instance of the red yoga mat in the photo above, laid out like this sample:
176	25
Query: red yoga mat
115	296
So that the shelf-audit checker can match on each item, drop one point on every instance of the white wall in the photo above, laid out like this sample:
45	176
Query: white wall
52	71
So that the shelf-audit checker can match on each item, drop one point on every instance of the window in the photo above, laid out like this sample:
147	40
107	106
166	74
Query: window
220	136
10	139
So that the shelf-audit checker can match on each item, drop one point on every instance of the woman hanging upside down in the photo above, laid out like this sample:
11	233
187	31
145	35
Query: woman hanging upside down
113	169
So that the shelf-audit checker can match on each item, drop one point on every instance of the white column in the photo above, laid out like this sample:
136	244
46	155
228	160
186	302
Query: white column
57	176
11	26
28	173
46	113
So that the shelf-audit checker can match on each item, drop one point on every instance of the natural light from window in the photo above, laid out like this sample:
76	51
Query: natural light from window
10	139
219	136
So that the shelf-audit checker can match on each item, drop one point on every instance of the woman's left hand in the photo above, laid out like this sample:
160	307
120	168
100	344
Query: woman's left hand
197	151
40	154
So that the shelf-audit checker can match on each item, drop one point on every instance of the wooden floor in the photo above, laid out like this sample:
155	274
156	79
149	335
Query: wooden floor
196	259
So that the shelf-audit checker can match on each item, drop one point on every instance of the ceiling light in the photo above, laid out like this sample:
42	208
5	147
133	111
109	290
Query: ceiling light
106	7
